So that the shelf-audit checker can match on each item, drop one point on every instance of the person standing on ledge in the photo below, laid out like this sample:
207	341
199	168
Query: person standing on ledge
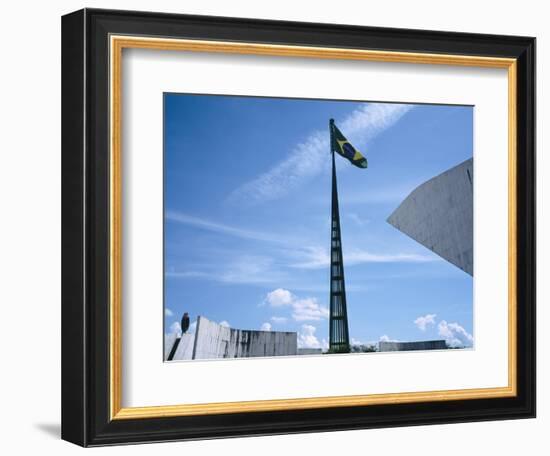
184	323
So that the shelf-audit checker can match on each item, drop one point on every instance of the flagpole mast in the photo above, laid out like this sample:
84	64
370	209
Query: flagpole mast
338	322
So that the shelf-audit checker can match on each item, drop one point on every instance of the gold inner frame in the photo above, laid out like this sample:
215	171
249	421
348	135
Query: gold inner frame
117	44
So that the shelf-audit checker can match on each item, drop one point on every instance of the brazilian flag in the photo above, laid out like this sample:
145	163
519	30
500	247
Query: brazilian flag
343	147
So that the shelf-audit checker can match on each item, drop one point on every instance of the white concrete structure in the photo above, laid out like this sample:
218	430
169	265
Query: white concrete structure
185	346
439	215
169	341
212	340
409	346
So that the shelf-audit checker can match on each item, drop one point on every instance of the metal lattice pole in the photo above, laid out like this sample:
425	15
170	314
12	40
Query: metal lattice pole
338	329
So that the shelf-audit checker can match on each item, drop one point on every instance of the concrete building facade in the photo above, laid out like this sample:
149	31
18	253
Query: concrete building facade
439	215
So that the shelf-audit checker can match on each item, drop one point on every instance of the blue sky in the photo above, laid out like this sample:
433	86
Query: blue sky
247	216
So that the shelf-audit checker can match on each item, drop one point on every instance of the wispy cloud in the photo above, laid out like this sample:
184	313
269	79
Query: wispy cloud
284	255
309	158
209	225
359	221
245	269
371	119
363	256
187	274
251	269
318	257
381	195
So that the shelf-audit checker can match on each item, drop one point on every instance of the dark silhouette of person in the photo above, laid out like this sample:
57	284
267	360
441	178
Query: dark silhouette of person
184	323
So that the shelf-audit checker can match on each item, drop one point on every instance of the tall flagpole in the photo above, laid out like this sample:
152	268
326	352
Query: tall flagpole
338	324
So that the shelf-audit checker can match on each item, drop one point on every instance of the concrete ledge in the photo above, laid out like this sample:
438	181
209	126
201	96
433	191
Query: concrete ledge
409	346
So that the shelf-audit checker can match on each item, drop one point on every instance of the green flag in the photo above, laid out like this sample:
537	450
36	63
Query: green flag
343	147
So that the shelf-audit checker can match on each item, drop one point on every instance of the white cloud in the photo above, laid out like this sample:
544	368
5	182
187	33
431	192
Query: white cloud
455	335
249	269
210	225
307	338
424	321
313	258
225	323
369	120
246	269
302	309
192	327
168	312
279	297
357	219
310	157
175	328
318	257
386	338
362	256
308	309
265	327
279	320
187	274
306	160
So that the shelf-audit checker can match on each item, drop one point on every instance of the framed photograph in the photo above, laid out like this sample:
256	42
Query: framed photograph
278	227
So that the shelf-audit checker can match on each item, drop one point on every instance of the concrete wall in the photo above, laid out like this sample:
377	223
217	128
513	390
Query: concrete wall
169	341
212	340
217	341
185	347
408	346
439	215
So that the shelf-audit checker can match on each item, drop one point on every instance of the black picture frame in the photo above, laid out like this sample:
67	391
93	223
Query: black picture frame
85	228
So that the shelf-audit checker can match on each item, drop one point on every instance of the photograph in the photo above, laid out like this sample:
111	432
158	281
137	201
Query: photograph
271	225
303	227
